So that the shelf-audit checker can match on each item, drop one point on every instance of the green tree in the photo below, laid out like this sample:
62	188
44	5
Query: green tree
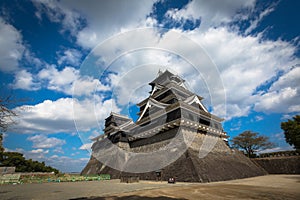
251	142
15	159
291	130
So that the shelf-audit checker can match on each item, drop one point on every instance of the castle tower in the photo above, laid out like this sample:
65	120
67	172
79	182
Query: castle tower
173	123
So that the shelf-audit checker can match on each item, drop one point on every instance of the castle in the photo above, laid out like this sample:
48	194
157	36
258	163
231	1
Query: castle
174	136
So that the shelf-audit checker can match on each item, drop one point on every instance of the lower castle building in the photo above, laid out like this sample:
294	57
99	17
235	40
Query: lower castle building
174	136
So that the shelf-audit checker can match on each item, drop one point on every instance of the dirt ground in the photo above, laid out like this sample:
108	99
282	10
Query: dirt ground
263	187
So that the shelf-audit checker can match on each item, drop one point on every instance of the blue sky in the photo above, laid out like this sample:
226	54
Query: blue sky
73	62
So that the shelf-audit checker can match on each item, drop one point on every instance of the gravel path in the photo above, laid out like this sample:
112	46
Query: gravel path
264	187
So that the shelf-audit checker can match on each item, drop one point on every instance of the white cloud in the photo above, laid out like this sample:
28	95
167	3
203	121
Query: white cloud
58	149
59	116
290	79
62	163
259	118
14	51
57	12
245	63
12	47
136	61
232	110
104	18
25	80
254	23
67	164
69	81
283	95
31	58
59	80
34	154
212	13
39	151
236	126
42	141
277	149
287	116
70	56
115	17
279	101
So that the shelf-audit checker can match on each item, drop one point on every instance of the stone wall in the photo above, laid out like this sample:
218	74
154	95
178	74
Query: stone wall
203	158
280	165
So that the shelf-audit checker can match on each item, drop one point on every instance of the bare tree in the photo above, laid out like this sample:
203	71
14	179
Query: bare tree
6	116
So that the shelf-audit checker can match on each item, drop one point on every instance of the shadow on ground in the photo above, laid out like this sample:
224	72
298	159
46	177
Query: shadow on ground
128	197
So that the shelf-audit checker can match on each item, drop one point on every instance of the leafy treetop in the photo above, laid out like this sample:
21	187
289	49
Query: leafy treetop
251	142
291	130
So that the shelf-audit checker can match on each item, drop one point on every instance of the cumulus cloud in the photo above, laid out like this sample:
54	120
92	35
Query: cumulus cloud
12	47
39	151
277	149
67	164
289	79
135	62
42	141
63	163
69	81
57	12
212	13
285	100
35	154
59	116
25	80
259	118
255	22
283	95
111	16
245	63
71	57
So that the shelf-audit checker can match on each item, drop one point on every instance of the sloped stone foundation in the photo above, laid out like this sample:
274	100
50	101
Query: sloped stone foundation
221	163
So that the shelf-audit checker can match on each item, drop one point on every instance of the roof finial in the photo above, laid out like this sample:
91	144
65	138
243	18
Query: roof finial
159	72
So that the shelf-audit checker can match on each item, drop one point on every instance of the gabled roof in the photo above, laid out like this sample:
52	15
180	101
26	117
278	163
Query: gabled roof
113	114
152	102
197	100
164	77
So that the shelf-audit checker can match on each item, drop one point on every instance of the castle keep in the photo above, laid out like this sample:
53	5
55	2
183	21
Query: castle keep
174	136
